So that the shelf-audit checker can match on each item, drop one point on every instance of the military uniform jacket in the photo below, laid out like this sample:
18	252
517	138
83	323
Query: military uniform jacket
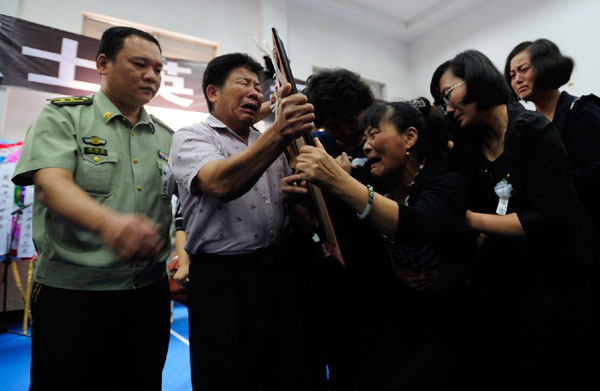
121	166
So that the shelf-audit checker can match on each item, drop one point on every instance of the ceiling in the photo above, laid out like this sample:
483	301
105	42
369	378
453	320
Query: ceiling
403	20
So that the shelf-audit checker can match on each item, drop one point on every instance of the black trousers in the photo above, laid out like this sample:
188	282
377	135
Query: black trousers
99	340
251	326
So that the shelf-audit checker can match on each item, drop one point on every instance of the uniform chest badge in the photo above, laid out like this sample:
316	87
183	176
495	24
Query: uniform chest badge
94	140
164	156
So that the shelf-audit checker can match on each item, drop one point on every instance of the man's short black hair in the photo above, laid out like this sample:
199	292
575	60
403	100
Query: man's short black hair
219	68
112	40
337	93
552	68
484	83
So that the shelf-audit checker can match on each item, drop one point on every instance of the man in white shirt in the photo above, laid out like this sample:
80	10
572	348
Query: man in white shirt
248	282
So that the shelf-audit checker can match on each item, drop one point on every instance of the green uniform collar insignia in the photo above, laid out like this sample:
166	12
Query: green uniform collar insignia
71	101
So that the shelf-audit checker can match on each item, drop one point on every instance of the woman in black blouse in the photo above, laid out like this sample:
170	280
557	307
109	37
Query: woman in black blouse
535	70
421	218
531	273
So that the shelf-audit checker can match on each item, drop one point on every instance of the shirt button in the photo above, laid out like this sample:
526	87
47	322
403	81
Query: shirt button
139	188
107	115
136	160
96	159
132	133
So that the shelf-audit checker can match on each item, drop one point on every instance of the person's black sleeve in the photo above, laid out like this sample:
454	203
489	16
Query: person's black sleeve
545	178
178	220
442	202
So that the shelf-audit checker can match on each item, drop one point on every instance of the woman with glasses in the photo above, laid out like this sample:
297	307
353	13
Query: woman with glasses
419	212
531	268
535	70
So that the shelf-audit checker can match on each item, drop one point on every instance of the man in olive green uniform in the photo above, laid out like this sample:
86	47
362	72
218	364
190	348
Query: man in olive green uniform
101	227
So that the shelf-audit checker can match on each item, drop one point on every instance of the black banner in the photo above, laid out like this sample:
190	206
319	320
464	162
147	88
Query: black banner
47	59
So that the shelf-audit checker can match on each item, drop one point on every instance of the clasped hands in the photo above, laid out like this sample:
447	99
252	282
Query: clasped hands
316	166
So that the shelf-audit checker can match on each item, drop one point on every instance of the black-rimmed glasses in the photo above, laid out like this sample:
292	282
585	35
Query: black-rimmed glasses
446	94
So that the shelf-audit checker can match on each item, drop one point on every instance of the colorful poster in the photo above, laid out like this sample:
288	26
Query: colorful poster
16	211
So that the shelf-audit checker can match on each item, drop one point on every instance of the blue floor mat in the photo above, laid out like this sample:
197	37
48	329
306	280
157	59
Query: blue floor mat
14	360
15	355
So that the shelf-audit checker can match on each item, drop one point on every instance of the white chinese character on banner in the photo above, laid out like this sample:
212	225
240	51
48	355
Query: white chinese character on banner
170	74
68	61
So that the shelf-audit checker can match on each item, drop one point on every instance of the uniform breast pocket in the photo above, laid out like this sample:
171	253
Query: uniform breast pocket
167	180
96	173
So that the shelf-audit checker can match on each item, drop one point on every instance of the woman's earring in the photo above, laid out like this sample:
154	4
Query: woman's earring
408	152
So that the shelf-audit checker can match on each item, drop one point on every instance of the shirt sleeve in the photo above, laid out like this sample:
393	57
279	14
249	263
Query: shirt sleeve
545	183
442	203
585	135
191	150
49	142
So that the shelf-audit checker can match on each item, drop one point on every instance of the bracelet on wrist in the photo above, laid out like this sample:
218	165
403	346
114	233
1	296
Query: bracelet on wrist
365	213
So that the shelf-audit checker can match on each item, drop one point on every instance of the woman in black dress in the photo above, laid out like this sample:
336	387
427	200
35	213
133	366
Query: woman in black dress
531	275
420	213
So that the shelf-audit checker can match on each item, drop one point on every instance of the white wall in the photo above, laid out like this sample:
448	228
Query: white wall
318	41
310	39
231	23
496	27
9	7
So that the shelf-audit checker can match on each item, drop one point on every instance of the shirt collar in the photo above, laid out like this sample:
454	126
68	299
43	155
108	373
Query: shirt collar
564	102
108	111
216	123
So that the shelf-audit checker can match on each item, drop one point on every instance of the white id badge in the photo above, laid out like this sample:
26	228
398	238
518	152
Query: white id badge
502	206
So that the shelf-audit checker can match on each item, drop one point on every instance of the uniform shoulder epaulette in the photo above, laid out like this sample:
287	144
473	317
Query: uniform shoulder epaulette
71	101
161	123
